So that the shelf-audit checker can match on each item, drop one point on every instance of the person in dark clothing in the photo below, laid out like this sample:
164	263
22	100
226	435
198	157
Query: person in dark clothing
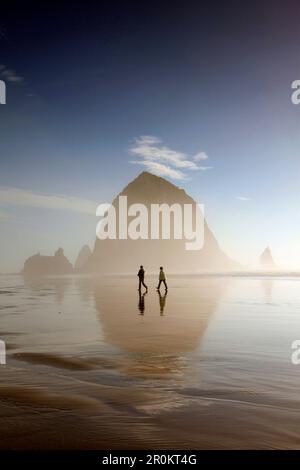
141	276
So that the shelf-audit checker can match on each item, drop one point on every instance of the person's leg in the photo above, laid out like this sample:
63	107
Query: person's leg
144	284
166	287
158	285
140	283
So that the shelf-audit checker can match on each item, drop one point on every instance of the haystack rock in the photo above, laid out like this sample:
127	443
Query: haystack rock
83	258
39	265
125	256
266	259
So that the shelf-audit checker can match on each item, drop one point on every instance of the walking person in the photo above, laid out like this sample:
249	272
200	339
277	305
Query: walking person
141	276
162	278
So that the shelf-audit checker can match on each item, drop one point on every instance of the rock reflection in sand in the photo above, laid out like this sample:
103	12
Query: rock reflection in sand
157	330
91	363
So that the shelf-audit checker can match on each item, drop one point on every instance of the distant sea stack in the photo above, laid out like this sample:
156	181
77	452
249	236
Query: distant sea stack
266	259
82	258
39	265
125	256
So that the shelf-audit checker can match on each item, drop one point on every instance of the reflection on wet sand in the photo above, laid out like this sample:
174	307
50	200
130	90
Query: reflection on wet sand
142	302
162	301
47	285
130	374
267	285
161	333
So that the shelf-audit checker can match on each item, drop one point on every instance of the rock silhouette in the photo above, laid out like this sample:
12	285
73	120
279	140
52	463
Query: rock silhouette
266	259
123	256
82	258
38	265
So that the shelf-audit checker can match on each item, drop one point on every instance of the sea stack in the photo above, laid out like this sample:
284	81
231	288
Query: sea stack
82	258
38	265
266	259
124	256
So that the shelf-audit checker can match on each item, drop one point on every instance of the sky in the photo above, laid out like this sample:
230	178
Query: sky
197	92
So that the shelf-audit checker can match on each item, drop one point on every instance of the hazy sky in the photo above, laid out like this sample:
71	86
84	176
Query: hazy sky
195	92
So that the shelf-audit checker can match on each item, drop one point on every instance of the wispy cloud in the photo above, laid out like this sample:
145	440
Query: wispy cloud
160	169
199	157
9	75
25	198
243	198
164	161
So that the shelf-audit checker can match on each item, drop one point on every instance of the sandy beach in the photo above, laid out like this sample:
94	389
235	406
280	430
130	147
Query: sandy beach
93	365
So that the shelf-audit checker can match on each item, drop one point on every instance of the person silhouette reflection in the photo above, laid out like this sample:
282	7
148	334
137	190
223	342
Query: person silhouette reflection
162	302
142	302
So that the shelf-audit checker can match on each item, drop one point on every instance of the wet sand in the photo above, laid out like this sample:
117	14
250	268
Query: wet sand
91	364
